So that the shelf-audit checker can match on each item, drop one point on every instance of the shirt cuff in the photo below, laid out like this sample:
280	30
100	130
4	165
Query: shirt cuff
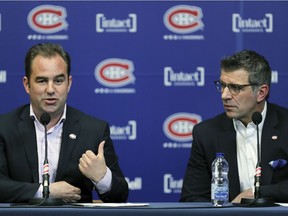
39	193
104	185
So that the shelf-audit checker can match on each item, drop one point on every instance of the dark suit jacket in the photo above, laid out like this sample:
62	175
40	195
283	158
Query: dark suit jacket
218	135
19	161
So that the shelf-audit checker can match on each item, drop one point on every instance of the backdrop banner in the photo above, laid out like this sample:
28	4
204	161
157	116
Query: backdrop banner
147	67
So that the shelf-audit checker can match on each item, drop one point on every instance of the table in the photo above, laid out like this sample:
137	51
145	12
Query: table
155	208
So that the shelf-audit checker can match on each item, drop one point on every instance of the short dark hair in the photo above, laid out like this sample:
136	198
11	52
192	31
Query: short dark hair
255	64
46	50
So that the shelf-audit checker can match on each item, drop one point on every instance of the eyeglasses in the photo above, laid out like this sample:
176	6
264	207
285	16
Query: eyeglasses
233	88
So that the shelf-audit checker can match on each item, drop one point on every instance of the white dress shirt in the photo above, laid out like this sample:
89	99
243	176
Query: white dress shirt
247	156
54	136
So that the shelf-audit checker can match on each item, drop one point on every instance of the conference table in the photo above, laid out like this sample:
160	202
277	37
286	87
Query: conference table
141	209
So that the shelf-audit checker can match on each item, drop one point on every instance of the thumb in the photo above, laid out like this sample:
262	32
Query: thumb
101	148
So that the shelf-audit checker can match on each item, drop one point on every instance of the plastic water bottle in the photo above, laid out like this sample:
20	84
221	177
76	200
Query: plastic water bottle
220	182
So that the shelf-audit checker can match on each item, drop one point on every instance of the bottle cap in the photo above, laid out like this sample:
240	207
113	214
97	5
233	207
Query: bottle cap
219	154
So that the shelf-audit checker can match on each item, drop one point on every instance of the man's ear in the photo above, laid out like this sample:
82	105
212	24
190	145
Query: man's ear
69	82
26	84
262	92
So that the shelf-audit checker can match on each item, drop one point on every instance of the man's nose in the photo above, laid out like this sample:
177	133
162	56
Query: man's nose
50	87
226	94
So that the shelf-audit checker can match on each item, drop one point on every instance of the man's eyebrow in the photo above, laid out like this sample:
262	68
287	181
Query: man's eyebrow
60	75
230	83
40	77
44	77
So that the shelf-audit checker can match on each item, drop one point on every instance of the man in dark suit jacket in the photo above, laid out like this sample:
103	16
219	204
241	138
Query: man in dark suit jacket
244	83
85	158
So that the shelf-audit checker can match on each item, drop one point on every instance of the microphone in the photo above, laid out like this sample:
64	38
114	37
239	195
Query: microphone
258	201
257	118
45	119
46	200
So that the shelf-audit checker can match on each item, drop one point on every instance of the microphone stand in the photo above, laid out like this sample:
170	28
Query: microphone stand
46	200
258	201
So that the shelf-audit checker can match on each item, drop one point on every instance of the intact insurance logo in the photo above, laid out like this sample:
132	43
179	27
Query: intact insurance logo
134	184
181	78
115	75
108	24
124	132
253	25
171	185
184	21
3	76
178	128
47	20
274	77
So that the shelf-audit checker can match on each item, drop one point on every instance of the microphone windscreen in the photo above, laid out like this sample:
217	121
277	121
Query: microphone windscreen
45	118
256	118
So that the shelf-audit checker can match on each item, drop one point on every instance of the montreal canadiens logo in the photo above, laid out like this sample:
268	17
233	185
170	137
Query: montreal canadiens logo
47	19
183	19
115	72
179	126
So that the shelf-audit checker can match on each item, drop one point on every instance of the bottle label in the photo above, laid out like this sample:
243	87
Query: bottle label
221	195
219	192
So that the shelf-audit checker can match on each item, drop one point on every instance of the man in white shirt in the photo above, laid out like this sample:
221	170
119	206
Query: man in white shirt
244	86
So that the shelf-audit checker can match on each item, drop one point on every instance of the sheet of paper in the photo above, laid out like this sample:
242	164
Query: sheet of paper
112	204
283	204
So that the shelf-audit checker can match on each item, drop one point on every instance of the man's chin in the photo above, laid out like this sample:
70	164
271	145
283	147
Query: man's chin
51	108
231	115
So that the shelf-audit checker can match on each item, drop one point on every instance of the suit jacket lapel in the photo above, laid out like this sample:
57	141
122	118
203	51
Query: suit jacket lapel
70	132
28	139
268	144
